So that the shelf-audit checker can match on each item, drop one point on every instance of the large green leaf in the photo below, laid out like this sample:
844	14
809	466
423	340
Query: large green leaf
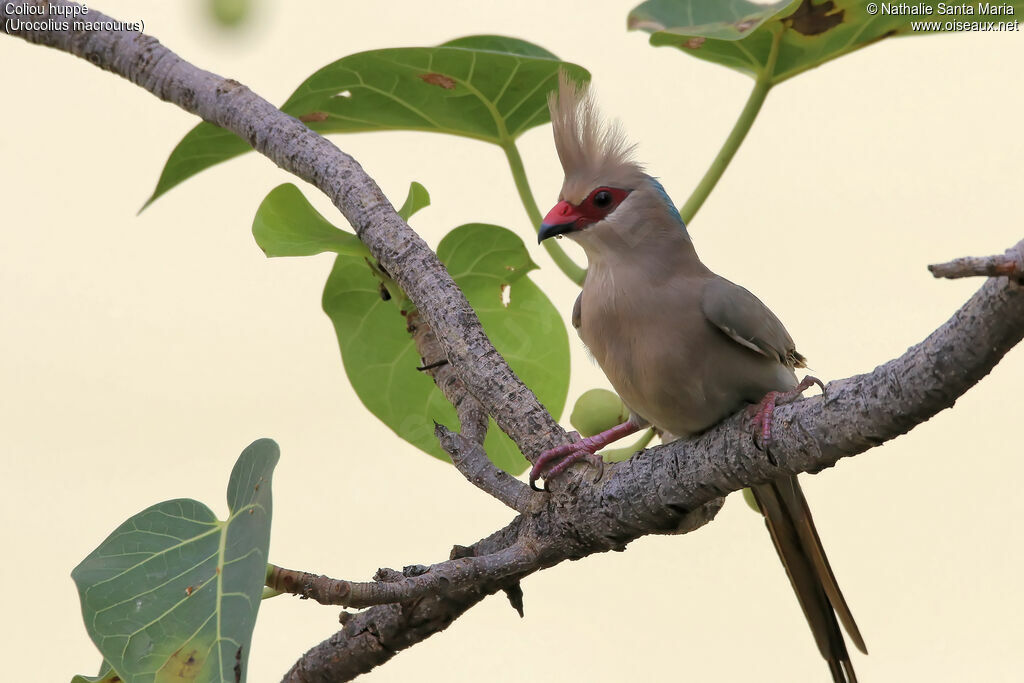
490	264
491	88
172	594
739	34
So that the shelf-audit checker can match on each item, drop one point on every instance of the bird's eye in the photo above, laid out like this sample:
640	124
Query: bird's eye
603	199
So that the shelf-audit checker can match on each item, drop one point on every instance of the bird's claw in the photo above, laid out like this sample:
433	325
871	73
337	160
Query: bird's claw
554	461
763	411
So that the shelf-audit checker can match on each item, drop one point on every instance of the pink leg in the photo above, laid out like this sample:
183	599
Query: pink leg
763	411
567	454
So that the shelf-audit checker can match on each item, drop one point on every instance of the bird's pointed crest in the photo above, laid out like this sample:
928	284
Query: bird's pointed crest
592	151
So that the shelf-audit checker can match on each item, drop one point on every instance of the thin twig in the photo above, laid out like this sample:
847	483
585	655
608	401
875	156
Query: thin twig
472	461
415	582
466	450
1010	264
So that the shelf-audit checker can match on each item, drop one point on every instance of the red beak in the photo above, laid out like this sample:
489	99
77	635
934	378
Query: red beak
559	220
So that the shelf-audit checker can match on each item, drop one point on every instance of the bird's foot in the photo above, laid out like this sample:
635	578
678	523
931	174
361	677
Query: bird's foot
580	449
554	461
762	412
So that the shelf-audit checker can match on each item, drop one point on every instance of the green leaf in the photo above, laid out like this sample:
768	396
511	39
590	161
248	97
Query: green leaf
286	224
106	675
418	198
738	34
488	262
490	88
229	13
172	594
491	43
109	677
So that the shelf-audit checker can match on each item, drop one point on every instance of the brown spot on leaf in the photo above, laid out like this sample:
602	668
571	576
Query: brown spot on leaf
440	80
313	117
695	42
189	590
185	665
811	20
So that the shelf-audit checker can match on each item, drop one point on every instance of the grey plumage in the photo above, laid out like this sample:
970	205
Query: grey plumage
683	347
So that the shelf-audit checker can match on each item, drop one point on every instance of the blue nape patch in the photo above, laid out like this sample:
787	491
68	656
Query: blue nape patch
672	210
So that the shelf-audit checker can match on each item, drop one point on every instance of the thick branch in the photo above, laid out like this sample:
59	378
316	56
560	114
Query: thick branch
291	145
856	414
677	487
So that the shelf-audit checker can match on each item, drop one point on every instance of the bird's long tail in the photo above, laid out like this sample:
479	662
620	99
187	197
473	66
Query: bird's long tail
791	526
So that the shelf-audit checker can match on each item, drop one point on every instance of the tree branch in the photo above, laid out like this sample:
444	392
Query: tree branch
471	459
466	449
678	487
662	490
413	582
1008	265
291	145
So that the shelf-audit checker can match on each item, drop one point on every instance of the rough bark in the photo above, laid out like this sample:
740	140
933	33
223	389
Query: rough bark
1009	264
669	489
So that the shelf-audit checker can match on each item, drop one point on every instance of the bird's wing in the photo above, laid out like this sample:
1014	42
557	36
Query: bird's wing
576	311
747	321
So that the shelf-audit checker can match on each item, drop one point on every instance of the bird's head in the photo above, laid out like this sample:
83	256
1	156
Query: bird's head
607	200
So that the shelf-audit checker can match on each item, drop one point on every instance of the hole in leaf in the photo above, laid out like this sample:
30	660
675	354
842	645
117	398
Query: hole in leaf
344	93
506	295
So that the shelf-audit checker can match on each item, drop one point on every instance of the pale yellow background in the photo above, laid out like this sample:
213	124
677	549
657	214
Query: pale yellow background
139	355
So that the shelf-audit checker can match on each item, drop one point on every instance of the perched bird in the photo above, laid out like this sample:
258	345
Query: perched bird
683	347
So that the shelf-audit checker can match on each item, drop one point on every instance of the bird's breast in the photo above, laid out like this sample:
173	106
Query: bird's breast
665	360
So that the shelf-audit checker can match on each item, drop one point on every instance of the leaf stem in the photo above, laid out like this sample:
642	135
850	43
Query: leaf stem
738	133
620	454
564	262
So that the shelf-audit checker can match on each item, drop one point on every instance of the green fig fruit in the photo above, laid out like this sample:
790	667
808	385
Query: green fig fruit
748	496
597	410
